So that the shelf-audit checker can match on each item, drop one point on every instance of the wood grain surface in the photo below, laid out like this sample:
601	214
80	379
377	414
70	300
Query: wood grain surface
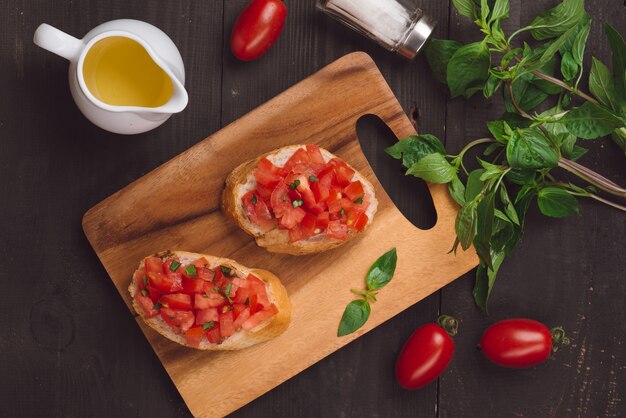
176	206
70	347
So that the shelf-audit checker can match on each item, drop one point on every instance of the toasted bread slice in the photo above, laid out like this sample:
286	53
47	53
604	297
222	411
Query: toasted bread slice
266	330
242	180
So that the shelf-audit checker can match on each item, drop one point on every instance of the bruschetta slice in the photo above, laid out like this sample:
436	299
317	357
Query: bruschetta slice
299	199
209	303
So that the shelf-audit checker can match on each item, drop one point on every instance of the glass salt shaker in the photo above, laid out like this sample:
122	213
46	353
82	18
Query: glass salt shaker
397	25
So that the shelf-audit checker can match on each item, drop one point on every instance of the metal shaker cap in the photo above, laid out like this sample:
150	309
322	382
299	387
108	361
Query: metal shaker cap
416	37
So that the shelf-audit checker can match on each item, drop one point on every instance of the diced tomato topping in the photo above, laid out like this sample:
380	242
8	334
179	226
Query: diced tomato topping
256	319
307	226
164	283
227	326
213	334
210	299
239	282
179	321
193	285
267	173
342	171
292	217
354	190
337	230
315	154
307	186
206	315
242	317
243	293
321	223
257	211
147	305
192	299
154	265
176	301
194	335
357	219
298	157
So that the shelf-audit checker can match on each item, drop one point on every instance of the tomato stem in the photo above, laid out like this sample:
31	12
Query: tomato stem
449	324
558	338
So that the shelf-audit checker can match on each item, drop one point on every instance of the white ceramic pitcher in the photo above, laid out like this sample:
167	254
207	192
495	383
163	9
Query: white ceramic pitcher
113	115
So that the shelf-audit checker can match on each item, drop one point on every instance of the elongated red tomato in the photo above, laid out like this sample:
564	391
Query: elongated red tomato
520	343
425	355
257	28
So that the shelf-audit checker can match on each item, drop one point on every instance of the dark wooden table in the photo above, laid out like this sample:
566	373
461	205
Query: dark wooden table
69	346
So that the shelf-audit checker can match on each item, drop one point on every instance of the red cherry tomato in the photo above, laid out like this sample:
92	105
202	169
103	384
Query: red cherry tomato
425	355
520	343
257	28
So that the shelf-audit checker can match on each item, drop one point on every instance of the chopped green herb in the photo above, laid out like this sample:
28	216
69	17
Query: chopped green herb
208	325
295	184
174	266
144	279
217	288
297	203
253	199
359	199
191	270
144	292
226	271
204	295
313	179
156	306
342	211
229	287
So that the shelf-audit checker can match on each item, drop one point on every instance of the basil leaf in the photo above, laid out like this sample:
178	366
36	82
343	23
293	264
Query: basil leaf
558	20
491	86
496	127
355	315
569	67
485	279
208	325
466	8
191	270
484	227
601	84
174	266
457	190
520	176
500	10
591	121
468	69
474	184
438	53
529	148
509	209
618	47
557	203
526	95
433	168
382	270
414	148
465	224
580	40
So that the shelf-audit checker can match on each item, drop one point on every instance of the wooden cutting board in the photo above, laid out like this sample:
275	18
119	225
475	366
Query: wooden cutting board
176	206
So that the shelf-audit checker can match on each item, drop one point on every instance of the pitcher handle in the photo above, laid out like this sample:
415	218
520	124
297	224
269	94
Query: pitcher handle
56	41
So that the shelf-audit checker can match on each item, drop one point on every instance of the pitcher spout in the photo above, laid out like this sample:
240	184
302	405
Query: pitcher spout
178	101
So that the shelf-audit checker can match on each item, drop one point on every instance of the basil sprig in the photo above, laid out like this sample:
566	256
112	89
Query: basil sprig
358	311
526	144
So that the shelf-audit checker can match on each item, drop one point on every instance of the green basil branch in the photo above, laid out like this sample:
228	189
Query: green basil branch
516	164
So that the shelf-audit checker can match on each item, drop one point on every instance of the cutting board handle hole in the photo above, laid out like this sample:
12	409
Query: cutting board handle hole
410	194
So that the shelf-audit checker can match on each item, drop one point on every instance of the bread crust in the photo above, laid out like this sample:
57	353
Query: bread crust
265	331
277	240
